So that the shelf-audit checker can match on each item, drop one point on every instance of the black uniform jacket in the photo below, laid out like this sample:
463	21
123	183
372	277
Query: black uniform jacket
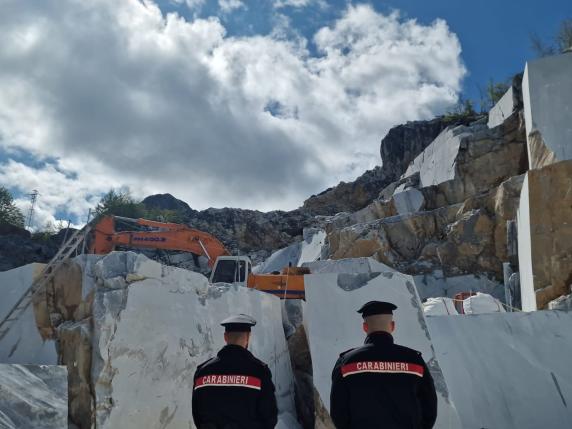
382	386
234	390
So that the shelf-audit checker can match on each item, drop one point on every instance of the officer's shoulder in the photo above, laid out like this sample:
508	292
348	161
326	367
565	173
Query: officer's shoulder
342	354
258	362
206	363
409	351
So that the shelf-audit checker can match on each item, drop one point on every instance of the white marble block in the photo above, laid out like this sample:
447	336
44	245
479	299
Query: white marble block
507	370
23	343
547	91
154	324
334	326
33	397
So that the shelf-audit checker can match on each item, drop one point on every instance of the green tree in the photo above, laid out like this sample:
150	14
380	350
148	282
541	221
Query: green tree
564	35
119	203
164	215
464	108
49	229
495	91
9	213
492	93
559	43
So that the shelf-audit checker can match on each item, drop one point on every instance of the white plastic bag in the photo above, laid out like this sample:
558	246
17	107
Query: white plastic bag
439	307
482	303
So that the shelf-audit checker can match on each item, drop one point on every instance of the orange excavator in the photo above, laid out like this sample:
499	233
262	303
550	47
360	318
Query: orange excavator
288	284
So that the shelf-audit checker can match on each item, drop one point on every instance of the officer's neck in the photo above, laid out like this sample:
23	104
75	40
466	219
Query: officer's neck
236	346
379	336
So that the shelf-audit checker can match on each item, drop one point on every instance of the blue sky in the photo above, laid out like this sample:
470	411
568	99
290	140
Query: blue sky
264	105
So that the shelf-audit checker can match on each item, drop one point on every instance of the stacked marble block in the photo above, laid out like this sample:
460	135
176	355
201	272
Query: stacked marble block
545	210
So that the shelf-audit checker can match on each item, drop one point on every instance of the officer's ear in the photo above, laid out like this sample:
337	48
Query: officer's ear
365	327
392	326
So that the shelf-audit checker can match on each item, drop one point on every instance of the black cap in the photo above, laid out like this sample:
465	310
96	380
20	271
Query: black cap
376	307
238	323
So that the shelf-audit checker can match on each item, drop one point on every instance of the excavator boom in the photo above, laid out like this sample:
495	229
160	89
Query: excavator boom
166	236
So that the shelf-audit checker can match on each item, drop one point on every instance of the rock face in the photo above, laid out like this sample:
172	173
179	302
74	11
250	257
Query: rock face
242	231
502	110
152	325
302	367
468	160
75	351
464	238
403	143
297	254
333	326
547	90
17	249
33	396
502	369
166	202
561	303
510	102
348	196
398	148
545	235
462	190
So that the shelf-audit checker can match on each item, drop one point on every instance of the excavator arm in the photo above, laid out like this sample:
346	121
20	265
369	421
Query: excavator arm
166	236
289	284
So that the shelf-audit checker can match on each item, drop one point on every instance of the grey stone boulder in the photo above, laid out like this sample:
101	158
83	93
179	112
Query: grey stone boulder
33	396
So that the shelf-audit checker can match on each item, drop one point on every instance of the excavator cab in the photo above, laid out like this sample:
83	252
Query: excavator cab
231	269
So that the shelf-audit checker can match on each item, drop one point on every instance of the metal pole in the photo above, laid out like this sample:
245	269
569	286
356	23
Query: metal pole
33	198
85	238
66	233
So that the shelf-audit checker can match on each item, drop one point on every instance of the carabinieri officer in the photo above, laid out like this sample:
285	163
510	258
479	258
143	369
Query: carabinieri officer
382	384
234	390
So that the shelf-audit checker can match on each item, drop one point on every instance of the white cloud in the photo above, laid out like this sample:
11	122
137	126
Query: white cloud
191	4
59	191
122	95
227	6
292	3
